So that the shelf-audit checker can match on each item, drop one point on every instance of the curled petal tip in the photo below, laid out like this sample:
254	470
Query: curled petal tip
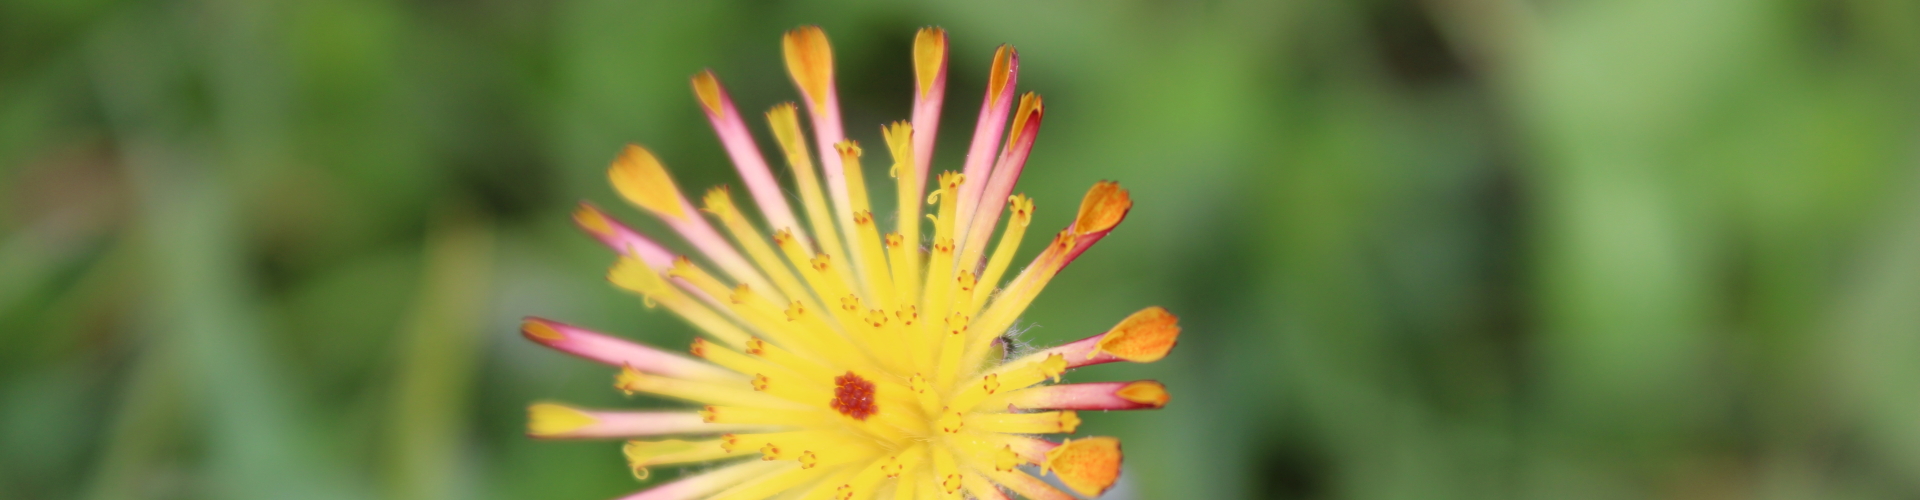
640	178
1104	207
1143	337
1088	466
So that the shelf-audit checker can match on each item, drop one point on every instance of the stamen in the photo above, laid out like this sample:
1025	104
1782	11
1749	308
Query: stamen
743	151
1003	253
635	276
1046	422
643	454
853	396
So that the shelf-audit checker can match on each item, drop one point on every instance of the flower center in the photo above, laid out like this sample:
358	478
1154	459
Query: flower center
853	396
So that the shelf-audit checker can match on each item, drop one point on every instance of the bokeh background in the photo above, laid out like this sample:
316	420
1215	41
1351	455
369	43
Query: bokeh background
1566	249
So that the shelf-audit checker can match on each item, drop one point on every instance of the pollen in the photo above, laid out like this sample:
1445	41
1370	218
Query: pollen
861	354
853	396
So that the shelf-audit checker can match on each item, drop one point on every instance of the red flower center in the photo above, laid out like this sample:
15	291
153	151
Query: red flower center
853	396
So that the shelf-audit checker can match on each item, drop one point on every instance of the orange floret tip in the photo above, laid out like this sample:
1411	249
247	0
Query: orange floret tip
1143	337
1146	392
643	181
1104	207
929	57
810	62
1088	466
707	88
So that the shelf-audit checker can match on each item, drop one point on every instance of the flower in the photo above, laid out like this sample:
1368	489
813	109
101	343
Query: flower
856	364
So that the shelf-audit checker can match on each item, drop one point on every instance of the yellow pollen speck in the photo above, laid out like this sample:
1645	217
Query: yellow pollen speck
795	311
1006	460
547	419
950	421
1053	367
1022	209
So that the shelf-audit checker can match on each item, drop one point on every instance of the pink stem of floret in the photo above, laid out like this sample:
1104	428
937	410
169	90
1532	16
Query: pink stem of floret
752	166
1089	396
630	424
994	199
926	123
986	135
617	352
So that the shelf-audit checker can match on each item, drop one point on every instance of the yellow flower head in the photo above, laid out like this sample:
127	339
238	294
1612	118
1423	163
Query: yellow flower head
839	362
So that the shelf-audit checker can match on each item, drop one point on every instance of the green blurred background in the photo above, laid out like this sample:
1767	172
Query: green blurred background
1468	249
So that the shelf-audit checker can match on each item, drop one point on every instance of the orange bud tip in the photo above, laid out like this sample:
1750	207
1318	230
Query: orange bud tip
1002	70
810	62
538	330
593	221
1143	337
1146	392
643	181
707	88
1088	466
929	57
1105	205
